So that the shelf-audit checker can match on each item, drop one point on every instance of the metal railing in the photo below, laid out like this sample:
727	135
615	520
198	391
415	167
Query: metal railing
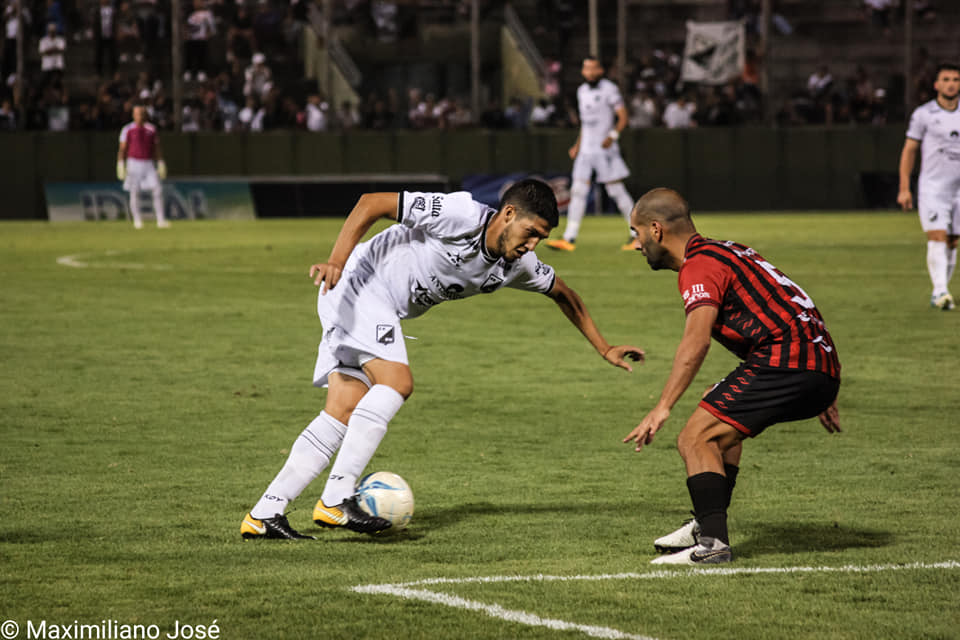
524	41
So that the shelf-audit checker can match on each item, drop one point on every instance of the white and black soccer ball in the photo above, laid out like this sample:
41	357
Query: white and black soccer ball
387	496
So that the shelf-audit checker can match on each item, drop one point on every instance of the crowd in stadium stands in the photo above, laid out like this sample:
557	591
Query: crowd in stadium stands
250	37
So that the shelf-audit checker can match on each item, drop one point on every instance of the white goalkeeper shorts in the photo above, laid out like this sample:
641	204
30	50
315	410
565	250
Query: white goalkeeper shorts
141	175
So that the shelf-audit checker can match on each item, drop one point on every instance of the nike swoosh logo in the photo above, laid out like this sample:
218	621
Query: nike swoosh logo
260	530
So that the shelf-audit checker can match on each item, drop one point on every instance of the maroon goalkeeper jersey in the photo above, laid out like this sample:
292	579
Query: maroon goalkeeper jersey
763	315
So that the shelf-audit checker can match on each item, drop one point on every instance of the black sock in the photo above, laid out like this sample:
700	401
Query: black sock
708	491
731	471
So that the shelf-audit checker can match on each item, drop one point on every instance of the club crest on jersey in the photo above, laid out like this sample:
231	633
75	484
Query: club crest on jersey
491	284
385	334
419	204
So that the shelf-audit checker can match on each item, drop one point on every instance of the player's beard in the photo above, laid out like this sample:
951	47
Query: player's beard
657	256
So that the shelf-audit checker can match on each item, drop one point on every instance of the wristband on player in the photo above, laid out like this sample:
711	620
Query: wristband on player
161	169
614	134
121	170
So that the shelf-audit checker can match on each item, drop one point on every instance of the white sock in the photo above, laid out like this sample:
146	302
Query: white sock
367	426
951	262
621	196
309	455
158	205
937	265
576	210
135	206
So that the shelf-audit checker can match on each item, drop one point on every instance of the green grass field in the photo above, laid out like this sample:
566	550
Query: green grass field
151	385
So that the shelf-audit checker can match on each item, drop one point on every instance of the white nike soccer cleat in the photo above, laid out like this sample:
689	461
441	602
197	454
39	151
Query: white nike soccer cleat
944	301
683	538
707	551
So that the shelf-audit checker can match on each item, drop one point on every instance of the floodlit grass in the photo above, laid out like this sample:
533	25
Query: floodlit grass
149	393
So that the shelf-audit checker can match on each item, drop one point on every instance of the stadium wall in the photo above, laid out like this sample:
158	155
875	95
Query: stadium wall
718	169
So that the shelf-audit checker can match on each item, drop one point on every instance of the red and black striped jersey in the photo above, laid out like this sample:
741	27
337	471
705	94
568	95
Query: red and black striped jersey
762	315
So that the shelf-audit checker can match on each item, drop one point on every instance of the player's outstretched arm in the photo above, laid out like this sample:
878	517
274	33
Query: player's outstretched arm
576	311
690	354
908	158
369	208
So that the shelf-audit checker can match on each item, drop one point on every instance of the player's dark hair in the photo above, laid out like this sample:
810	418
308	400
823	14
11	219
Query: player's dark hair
946	66
667	207
533	197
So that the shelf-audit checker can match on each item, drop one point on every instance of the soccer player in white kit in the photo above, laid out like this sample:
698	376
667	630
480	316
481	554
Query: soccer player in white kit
139	149
596	151
445	247
935	128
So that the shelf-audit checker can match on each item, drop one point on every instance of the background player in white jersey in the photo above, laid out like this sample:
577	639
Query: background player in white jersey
935	128
139	149
596	151
446	247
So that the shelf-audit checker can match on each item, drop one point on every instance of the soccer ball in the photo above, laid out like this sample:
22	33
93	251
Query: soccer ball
387	496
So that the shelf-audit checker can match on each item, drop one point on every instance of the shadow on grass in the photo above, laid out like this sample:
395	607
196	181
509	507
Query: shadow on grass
805	537
433	519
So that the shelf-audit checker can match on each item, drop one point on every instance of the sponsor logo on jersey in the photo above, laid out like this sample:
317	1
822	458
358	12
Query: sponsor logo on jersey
455	258
436	203
448	291
542	269
419	204
385	334
421	296
695	293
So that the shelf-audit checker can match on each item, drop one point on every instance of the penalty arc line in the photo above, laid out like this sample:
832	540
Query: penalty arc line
407	591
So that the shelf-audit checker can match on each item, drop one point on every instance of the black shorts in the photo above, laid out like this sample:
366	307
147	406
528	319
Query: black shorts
753	397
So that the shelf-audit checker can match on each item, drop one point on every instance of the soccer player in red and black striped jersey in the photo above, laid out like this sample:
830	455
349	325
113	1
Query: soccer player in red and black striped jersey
790	370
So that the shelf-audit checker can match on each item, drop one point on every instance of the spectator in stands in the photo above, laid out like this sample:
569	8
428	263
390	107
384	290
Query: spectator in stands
129	43
643	110
54	14
241	41
11	27
105	33
348	117
258	79
267	26
52	49
200	28
150	24
8	117
458	116
57	104
863	96
385	21
679	114
542	113
377	114
316	113
878	11
251	116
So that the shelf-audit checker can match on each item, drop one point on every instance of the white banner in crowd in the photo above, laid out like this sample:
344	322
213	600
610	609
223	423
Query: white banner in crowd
714	53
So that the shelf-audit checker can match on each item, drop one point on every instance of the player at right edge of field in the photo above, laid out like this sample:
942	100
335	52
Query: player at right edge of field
935	128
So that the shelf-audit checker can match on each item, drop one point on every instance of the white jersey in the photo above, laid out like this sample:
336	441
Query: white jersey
438	252
597	107
938	131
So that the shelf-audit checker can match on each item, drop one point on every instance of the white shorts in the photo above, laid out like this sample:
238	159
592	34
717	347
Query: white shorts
607	163
939	213
357	328
141	175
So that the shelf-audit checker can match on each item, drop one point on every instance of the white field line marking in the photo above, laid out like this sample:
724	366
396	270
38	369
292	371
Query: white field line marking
405	590
79	261
496	611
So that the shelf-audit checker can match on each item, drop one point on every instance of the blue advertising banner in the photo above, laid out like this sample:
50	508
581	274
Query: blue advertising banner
182	200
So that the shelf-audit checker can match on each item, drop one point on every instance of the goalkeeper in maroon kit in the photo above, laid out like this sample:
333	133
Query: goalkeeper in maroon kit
790	370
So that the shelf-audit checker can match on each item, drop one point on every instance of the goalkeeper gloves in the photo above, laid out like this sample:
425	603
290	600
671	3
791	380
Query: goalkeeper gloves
121	170
161	169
